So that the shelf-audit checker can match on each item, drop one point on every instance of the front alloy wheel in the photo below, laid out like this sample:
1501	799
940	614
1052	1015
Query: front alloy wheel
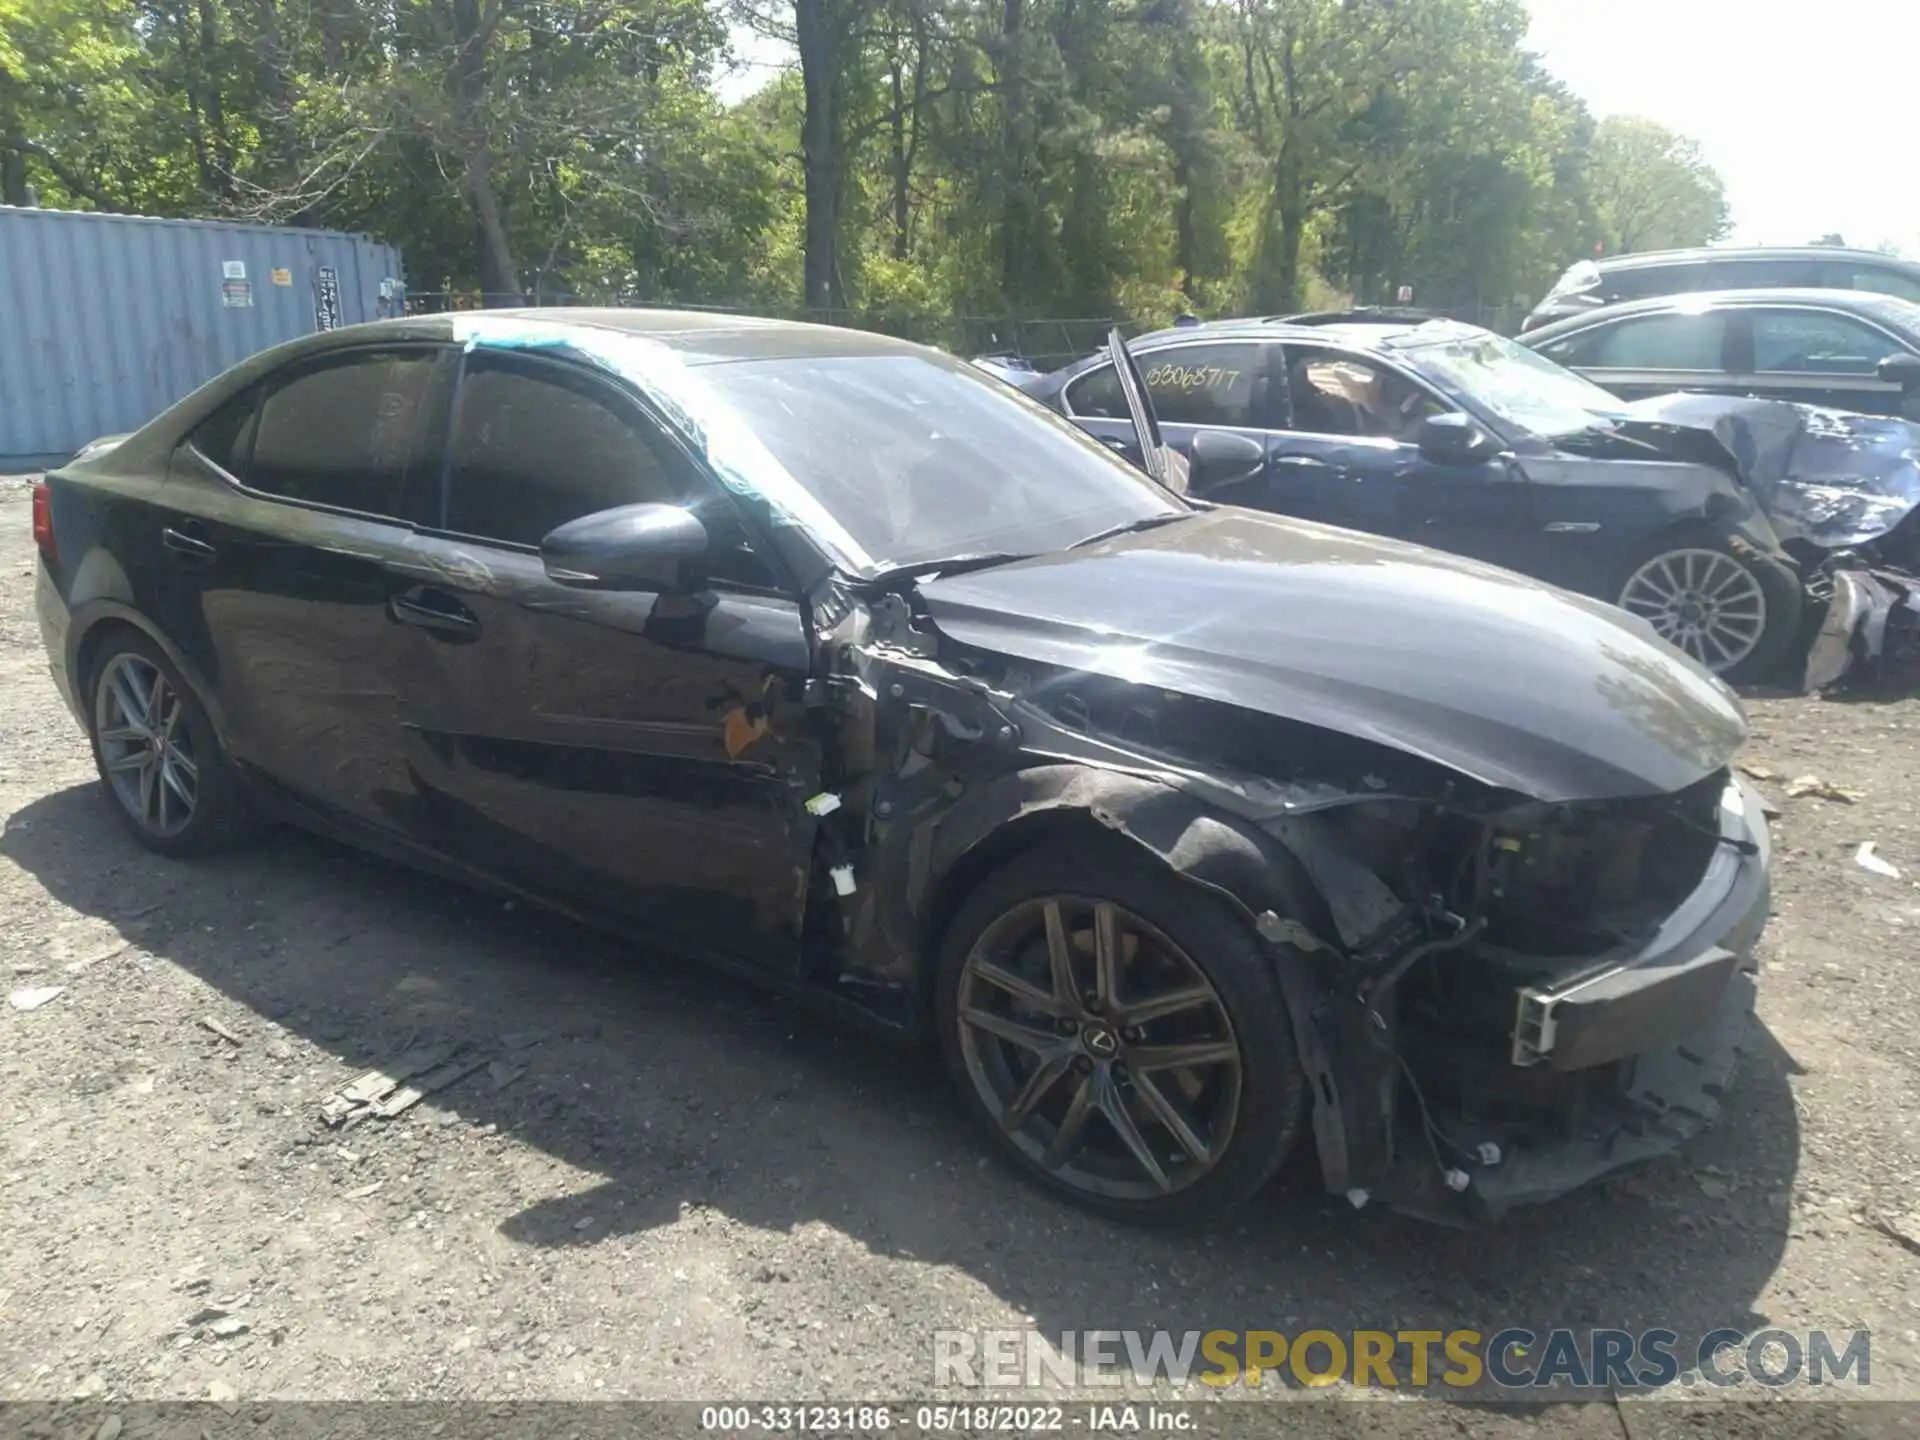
1105	1053
1704	602
146	749
1120	1032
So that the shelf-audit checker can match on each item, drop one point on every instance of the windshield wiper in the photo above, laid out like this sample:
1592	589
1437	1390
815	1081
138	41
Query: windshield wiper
951	565
1132	527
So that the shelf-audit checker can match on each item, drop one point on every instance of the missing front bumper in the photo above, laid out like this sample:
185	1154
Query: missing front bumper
1649	1043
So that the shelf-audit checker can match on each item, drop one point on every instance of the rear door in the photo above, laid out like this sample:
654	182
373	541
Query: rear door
630	754
1817	357
284	510
1191	386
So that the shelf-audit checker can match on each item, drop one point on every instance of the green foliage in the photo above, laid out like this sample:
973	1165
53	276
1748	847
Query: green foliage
1020	158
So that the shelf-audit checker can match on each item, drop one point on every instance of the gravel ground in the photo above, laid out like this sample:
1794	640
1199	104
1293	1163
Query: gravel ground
685	1190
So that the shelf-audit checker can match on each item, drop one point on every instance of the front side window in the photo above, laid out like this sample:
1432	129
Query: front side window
536	444
1644	282
1881	282
1812	342
1332	393
345	432
1646	342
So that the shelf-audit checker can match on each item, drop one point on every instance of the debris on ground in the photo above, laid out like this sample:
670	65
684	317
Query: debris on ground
436	1079
87	962
35	996
1759	771
207	1022
1867	859
1806	785
380	1092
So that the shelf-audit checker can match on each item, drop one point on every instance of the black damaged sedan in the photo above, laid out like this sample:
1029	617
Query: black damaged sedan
1193	836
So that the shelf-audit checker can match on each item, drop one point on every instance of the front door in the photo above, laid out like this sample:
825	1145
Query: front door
637	755
1350	457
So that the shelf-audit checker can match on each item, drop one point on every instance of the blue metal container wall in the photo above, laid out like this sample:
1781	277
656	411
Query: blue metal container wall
105	320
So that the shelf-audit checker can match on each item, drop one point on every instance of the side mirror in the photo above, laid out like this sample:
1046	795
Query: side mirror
1223	457
1902	370
1455	439
635	547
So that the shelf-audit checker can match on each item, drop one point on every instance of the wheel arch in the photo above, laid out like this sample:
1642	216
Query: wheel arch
1229	858
97	622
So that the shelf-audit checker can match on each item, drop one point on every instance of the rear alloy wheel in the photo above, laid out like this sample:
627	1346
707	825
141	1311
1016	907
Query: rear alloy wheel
1099	1047
1733	613
157	753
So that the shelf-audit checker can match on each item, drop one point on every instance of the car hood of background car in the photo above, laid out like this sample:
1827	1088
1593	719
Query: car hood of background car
1829	477
1498	677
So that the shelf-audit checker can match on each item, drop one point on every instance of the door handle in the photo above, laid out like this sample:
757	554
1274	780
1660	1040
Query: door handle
186	542
432	610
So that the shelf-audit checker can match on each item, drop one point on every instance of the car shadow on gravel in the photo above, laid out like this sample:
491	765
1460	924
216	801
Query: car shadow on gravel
680	1088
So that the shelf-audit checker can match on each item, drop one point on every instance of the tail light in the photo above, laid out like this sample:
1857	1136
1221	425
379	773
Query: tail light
43	522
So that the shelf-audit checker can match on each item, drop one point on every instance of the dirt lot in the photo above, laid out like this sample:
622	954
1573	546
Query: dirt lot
696	1192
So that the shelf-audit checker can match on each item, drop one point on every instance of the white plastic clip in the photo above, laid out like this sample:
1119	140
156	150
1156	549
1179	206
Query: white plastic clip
825	803
842	879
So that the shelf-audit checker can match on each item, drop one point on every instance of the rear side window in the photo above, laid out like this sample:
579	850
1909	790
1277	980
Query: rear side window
1188	384
1813	342
1645	342
1648	281
345	432
226	436
1763	273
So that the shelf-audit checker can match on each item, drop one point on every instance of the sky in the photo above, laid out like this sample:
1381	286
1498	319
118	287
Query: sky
1809	109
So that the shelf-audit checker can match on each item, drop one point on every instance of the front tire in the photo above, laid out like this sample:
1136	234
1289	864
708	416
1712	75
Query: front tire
1120	1034
158	757
1719	601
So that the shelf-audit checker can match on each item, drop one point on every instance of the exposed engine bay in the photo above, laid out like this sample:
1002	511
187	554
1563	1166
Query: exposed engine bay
1467	963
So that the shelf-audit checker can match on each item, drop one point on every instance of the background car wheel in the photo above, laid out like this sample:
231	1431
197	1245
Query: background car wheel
1120	1034
157	754
1719	600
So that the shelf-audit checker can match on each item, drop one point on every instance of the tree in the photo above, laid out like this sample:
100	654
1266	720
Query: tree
1652	189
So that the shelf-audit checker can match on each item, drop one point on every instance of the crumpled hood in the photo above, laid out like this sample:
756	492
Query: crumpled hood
1830	477
1502	678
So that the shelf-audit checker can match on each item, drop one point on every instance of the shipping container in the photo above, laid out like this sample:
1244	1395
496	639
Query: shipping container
105	320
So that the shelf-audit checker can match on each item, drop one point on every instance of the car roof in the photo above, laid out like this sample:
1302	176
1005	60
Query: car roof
700	336
1856	302
1358	333
1653	259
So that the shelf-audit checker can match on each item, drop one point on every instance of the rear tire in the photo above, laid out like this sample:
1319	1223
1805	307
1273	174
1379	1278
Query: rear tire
1719	600
159	759
1160	1086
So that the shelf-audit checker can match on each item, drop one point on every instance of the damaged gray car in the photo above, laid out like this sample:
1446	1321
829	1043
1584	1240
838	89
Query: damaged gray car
1195	837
